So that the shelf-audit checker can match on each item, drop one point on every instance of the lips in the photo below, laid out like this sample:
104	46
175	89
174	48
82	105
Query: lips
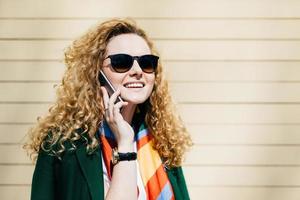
134	85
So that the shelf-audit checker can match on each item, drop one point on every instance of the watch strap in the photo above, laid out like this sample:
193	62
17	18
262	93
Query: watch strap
127	156
117	156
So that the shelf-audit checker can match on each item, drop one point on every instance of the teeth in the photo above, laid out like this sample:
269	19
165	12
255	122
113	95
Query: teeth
134	85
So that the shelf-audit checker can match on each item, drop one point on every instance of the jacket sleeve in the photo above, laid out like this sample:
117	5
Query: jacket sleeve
43	180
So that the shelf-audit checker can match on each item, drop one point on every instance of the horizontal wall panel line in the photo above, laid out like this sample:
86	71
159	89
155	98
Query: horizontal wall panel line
237	124
36	39
18	164
12	185
229	165
199	144
229	144
213	39
153	18
35	81
243	124
195	185
245	186
235	103
232	144
178	102
195	165
204	144
163	60
160	39
167	60
16	123
188	123
155	39
10	144
241	165
26	102
171	81
209	81
227	60
34	60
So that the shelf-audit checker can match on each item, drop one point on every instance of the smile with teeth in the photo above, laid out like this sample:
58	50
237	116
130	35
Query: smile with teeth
134	85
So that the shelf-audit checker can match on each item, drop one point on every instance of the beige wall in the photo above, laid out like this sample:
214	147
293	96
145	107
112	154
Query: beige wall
234	70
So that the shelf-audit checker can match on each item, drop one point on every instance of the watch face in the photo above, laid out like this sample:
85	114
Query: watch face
115	156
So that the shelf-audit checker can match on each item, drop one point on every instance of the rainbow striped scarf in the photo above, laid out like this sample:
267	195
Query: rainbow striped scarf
154	177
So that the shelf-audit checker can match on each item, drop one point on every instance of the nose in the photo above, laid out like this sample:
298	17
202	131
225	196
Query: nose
136	69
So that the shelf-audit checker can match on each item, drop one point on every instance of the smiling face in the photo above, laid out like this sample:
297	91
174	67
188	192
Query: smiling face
133	45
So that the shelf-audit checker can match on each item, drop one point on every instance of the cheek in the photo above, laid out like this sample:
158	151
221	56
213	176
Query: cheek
117	80
151	81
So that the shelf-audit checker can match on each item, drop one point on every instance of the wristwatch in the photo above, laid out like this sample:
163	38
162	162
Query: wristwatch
117	156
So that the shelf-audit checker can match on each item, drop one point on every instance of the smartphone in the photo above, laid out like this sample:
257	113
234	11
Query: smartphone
104	81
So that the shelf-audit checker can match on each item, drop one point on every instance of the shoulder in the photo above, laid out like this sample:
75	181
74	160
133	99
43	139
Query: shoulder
58	148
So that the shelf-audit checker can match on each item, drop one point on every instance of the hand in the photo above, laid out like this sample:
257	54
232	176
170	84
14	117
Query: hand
123	132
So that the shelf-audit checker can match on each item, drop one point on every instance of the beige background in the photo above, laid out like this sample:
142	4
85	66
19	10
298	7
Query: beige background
234	71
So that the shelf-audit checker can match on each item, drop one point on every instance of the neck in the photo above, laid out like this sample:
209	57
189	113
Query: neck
128	112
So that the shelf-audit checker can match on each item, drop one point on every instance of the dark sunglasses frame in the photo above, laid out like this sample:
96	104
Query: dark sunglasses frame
144	61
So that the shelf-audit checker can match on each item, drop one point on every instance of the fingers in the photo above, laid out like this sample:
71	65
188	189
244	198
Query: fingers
116	109
112	101
105	97
112	110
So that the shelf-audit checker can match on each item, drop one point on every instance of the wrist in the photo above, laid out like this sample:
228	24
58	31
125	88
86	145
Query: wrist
119	156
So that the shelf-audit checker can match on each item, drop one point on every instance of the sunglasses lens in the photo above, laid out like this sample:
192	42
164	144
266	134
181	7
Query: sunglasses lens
148	63
121	62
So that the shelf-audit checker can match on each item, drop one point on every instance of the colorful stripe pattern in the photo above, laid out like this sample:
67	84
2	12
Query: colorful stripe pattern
154	177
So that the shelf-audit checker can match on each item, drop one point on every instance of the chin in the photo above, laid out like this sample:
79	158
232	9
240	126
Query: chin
135	99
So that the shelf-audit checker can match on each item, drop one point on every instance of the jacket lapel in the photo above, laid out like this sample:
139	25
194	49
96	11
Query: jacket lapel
92	170
172	174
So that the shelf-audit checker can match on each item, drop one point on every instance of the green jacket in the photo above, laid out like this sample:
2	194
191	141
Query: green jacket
78	176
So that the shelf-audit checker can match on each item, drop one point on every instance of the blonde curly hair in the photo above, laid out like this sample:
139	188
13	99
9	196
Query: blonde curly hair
79	101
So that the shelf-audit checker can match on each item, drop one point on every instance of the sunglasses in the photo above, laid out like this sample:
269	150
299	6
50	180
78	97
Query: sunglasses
123	62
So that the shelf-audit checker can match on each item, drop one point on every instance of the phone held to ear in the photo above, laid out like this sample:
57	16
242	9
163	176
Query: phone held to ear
104	81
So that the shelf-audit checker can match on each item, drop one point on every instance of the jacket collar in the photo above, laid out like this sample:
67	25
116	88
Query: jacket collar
92	170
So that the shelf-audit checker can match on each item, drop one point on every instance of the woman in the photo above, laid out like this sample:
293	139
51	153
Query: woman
91	146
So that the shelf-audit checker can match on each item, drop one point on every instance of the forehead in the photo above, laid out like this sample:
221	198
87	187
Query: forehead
131	44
